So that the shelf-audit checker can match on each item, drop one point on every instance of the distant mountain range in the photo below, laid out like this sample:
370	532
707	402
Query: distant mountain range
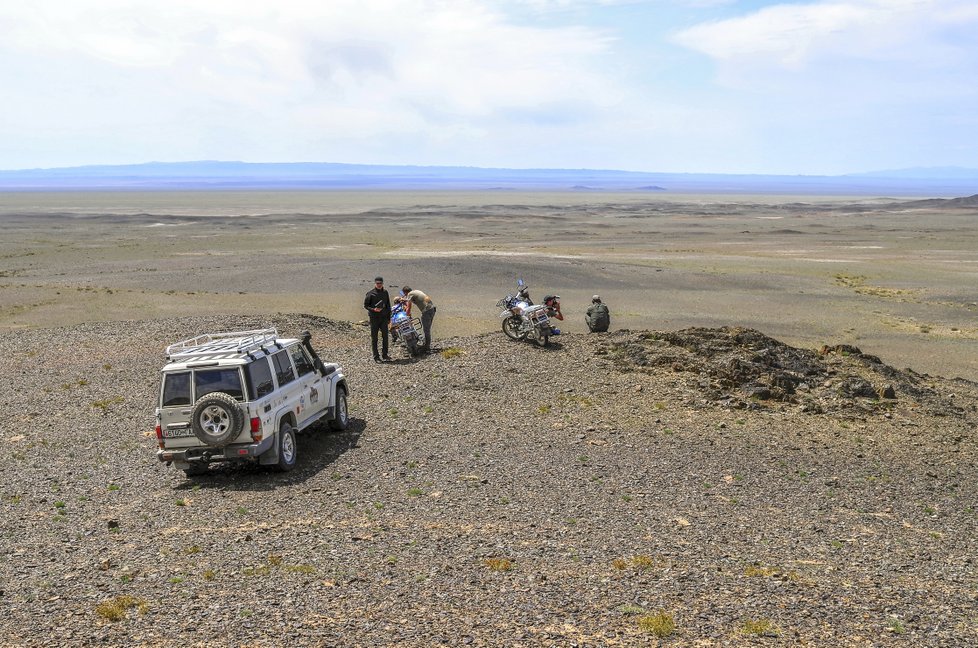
203	175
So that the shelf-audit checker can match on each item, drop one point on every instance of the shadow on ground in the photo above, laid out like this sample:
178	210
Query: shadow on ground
317	450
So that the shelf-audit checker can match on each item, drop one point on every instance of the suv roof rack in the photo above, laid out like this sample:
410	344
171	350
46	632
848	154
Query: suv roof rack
216	343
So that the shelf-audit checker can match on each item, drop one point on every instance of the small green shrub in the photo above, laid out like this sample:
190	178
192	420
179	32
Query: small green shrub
759	570
115	609
661	624
498	564
260	570
759	627
452	352
105	403
301	569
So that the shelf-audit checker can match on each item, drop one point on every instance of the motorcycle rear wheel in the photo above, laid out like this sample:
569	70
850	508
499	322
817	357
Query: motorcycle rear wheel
412	346
542	340
511	327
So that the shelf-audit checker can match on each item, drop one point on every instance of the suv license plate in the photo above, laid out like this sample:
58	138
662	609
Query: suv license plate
177	432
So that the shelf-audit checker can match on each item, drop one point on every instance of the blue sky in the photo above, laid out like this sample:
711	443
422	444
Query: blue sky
818	87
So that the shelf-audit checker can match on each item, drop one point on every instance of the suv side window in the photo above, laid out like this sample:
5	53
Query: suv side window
259	377
283	368
302	363
176	389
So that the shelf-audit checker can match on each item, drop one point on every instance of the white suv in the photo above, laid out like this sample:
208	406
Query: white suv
243	396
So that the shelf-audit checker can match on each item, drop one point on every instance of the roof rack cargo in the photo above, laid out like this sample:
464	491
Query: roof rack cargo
232	342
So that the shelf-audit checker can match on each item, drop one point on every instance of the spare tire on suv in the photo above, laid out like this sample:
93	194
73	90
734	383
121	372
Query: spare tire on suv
216	419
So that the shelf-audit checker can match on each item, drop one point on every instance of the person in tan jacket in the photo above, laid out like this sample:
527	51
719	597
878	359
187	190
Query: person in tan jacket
427	308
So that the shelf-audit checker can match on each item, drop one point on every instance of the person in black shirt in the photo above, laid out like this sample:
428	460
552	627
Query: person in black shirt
378	305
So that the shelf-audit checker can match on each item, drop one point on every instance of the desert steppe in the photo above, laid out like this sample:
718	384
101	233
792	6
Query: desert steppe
743	460
893	277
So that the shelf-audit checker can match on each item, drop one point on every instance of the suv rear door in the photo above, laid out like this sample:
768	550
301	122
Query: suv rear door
181	389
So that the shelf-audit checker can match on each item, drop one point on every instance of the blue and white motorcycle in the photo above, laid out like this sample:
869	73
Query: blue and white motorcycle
522	319
405	329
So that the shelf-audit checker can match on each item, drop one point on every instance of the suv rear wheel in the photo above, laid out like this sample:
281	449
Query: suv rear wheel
216	419
287	448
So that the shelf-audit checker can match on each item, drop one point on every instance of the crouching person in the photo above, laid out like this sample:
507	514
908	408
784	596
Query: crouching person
598	316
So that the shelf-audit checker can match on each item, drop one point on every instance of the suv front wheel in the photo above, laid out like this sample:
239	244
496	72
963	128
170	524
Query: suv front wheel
216	419
342	417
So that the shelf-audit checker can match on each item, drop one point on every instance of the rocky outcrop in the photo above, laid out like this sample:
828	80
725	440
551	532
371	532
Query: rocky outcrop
745	369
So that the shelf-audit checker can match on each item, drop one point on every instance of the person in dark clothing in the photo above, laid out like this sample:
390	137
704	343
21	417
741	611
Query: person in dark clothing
598	317
378	305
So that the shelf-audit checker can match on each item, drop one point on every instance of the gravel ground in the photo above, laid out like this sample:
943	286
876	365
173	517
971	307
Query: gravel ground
505	495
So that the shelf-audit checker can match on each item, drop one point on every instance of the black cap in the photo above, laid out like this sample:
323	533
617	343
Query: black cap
380	279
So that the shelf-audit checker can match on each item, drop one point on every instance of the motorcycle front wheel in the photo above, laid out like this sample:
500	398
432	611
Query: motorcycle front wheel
511	327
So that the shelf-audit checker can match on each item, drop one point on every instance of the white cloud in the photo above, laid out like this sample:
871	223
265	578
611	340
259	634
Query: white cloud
797	35
301	69
817	87
854	84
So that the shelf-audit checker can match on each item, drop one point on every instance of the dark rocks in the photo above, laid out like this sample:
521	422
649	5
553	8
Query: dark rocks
886	391
840	349
730	361
760	392
855	387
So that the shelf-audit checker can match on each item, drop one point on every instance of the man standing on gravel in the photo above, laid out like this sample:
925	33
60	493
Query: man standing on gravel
598	317
427	307
378	305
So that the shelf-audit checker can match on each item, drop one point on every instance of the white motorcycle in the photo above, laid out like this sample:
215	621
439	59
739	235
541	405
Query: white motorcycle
406	330
522	319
